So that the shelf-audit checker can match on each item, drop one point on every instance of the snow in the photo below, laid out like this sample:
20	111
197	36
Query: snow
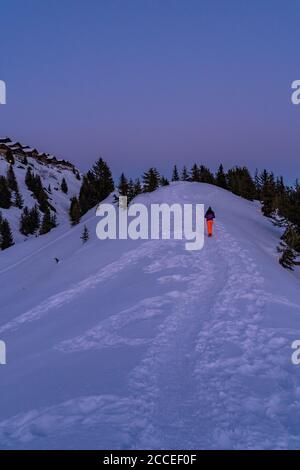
142	344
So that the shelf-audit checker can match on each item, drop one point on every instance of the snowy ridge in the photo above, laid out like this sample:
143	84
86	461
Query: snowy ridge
143	344
51	174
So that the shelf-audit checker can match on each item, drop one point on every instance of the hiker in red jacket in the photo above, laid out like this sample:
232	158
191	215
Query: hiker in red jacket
210	215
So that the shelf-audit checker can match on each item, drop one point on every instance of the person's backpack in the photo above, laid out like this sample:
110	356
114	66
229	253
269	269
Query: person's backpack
210	215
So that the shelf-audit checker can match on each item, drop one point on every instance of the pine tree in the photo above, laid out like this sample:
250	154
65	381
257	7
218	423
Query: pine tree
257	185
34	184
137	187
123	185
34	219
11	179
287	258
19	202
85	235
205	175
5	194
103	180
6	237
29	179
87	196
42	199
150	180
267	194
47	223
291	237
64	186
130	191
96	186
24	222
123	189
221	178
30	221
195	173
75	211
175	175
184	174
164	181
240	183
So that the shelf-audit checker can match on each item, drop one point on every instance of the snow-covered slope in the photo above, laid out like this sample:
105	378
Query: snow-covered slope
51	175
142	344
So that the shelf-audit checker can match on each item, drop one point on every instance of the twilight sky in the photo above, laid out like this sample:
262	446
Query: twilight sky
154	82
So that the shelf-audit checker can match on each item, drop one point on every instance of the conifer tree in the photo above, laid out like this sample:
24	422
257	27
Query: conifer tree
6	237
29	179
205	175
25	222
123	189
11	179
19	202
221	178
137	187
34	218
64	186
175	175
257	185
96	186
74	211
103	180
87	195
184	174
130	191
195	173
267	194
287	258
30	221
47	223
85	234
42	199
123	185
150	180
241	183
34	184
291	237
5	194
164	181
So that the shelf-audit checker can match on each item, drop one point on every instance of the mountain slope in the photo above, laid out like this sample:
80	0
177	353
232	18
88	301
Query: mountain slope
51	175
143	344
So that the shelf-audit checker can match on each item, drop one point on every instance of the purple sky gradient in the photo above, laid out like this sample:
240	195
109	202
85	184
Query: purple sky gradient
154	82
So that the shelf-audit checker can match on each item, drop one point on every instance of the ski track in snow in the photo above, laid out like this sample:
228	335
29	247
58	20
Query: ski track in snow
192	385
212	377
